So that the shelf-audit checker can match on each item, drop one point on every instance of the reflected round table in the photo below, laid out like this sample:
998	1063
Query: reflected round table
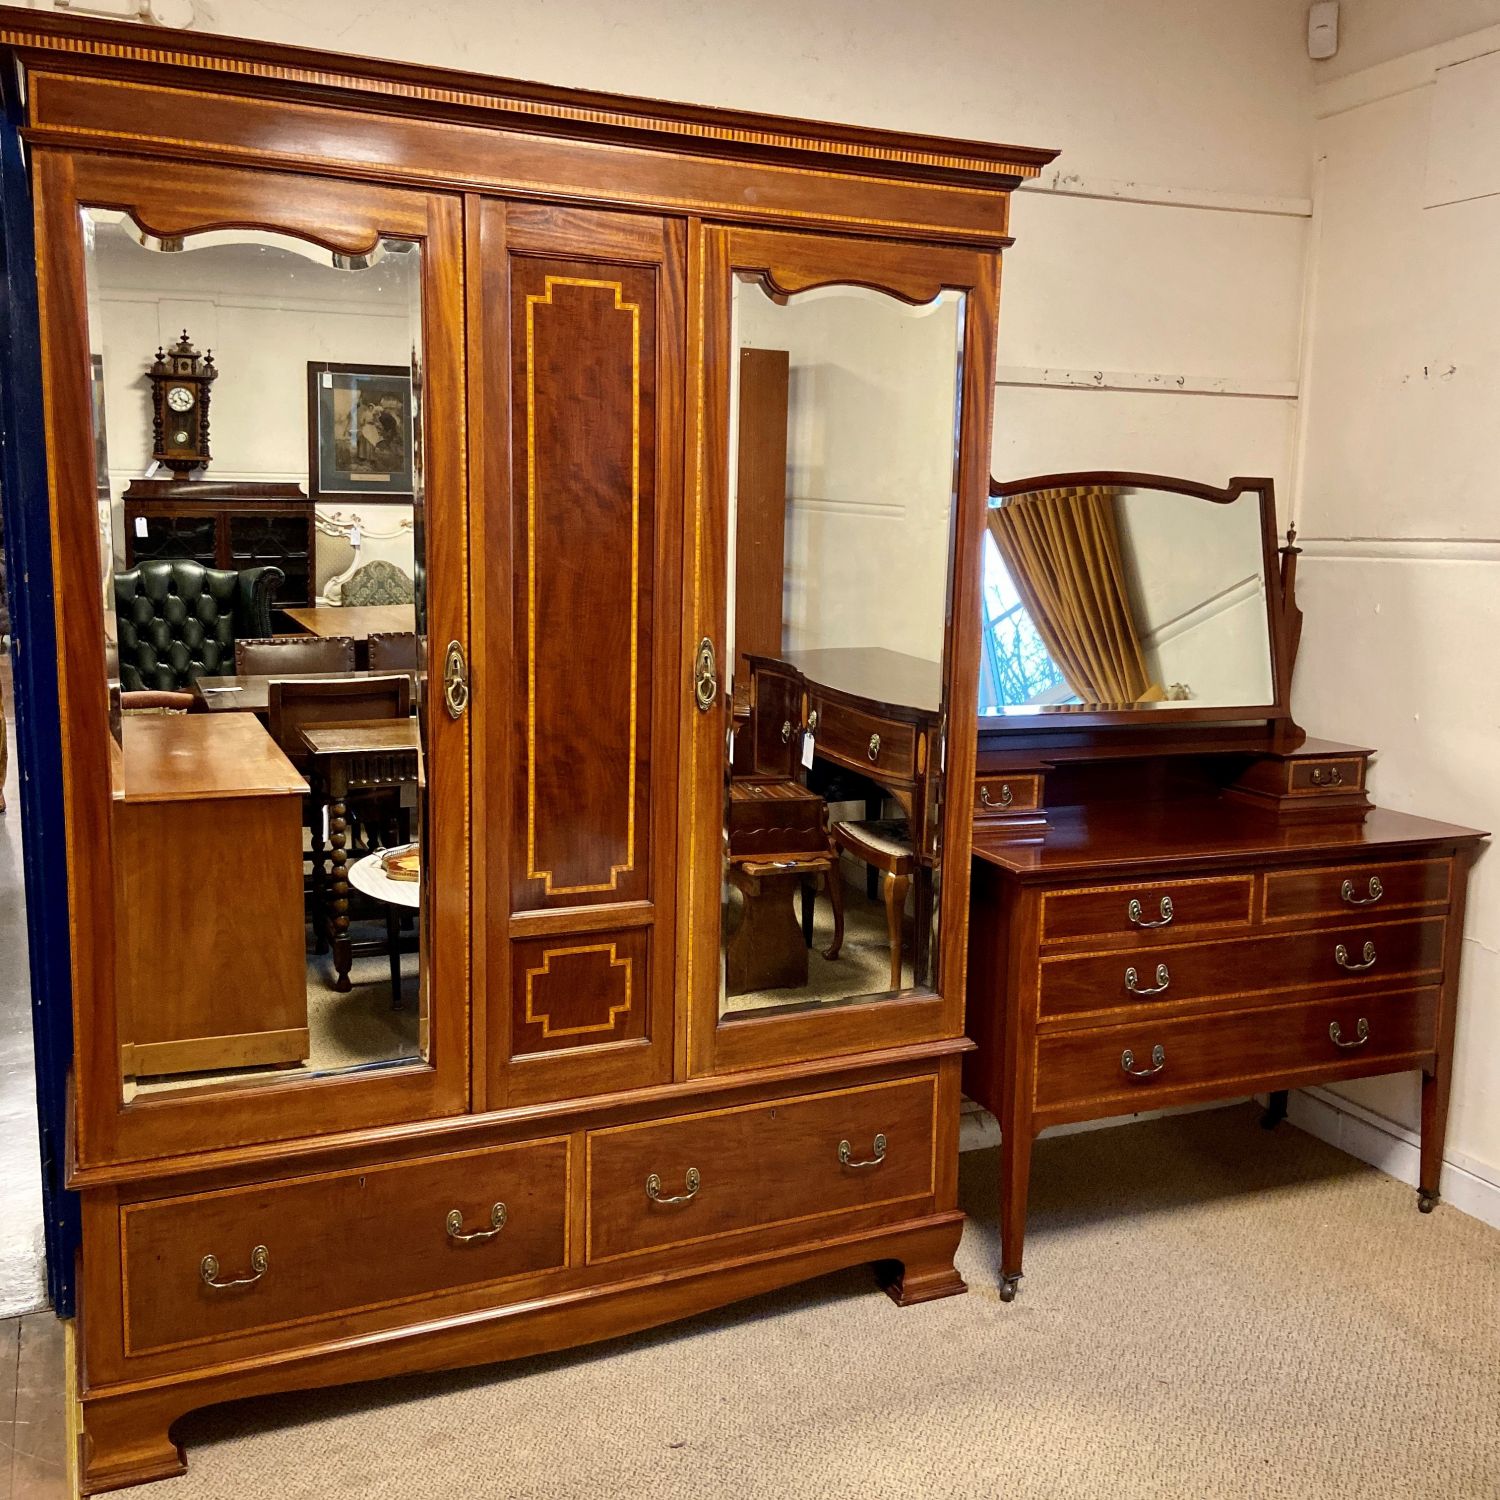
366	875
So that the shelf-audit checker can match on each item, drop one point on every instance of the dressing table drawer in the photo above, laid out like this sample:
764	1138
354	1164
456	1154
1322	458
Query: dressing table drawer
1319	777
304	1249
1151	1060
1167	905
1147	978
673	1182
997	796
1350	890
866	742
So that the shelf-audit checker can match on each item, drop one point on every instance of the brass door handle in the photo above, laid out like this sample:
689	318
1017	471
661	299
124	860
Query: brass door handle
846	1154
457	1233
455	680
705	675
873	750
653	1188
1133	981
1361	1034
1331	777
1134	912
1346	890
1158	1062
1367	953
786	732
208	1268
1006	796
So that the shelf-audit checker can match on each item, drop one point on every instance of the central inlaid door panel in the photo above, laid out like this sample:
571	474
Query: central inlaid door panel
582	320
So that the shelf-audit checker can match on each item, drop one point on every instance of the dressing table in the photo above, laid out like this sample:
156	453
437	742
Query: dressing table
1180	898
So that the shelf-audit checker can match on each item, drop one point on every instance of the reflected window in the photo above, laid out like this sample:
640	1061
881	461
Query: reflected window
1016	665
258	454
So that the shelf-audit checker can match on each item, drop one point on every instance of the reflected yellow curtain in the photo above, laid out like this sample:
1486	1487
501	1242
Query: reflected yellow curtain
1062	547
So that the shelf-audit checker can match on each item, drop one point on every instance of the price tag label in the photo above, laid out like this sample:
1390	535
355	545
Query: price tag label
809	741
140	526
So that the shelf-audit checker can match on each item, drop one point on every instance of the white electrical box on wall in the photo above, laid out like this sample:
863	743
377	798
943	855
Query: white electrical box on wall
1323	29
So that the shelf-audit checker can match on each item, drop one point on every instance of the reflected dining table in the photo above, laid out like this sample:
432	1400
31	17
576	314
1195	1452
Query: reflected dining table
358	622
251	693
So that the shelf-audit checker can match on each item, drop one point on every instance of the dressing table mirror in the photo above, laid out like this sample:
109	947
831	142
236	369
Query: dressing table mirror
1178	896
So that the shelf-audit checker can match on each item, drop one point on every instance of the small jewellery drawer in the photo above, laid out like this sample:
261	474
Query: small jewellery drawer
863	740
995	796
1348	889
676	1181
1370	953
1171	905
1311	777
241	1259
1147	1058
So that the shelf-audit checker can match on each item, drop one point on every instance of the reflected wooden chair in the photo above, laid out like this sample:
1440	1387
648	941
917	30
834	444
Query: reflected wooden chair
885	845
293	655
395	651
299	703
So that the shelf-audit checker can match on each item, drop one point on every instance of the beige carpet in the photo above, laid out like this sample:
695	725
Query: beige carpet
1208	1311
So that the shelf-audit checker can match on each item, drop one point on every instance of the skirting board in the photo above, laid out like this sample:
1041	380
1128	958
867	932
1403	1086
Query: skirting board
1472	1188
978	1129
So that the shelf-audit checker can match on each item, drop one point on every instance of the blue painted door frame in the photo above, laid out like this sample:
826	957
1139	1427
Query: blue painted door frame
28	559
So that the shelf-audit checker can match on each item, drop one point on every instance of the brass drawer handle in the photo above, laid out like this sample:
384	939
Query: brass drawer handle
455	1226
1361	1034
786	731
1136	915
1331	777
1006	796
1367	953
208	1268
846	1154
1133	981
653	1188
874	748
1376	892
812	722
1158	1062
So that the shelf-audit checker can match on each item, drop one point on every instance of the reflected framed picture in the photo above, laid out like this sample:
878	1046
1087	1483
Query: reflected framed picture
360	433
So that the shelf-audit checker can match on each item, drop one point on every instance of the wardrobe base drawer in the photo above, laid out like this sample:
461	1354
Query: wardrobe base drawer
242	1259
675	1182
1134	1066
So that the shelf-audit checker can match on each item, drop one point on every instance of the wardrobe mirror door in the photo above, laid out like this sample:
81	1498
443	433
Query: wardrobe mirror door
843	431
257	404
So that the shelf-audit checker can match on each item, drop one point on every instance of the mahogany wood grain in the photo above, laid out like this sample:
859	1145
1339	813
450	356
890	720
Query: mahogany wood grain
1225	901
314	1230
1080	1074
759	1165
760	504
1319	893
209	978
1221	970
581	990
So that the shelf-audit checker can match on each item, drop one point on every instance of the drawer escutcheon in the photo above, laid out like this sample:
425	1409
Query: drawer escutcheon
694	1182
1346	891
1135	913
1367	955
1361	1033
1133	981
1158	1062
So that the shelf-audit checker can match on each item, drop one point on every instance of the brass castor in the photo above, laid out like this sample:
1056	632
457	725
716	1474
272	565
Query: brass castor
1426	1201
1009	1286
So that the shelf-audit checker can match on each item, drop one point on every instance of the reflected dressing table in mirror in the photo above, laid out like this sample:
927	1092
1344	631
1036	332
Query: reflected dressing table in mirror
1177	895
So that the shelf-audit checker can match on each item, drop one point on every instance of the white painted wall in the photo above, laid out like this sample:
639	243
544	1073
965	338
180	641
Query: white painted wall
1400	504
265	312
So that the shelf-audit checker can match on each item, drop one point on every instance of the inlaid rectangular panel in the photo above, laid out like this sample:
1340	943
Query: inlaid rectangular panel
583	366
579	990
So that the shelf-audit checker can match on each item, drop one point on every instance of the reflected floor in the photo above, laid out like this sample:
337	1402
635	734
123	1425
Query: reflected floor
863	966
343	1030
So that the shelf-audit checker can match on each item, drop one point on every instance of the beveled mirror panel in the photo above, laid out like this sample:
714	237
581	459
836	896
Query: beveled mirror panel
1104	596
257	424
843	423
